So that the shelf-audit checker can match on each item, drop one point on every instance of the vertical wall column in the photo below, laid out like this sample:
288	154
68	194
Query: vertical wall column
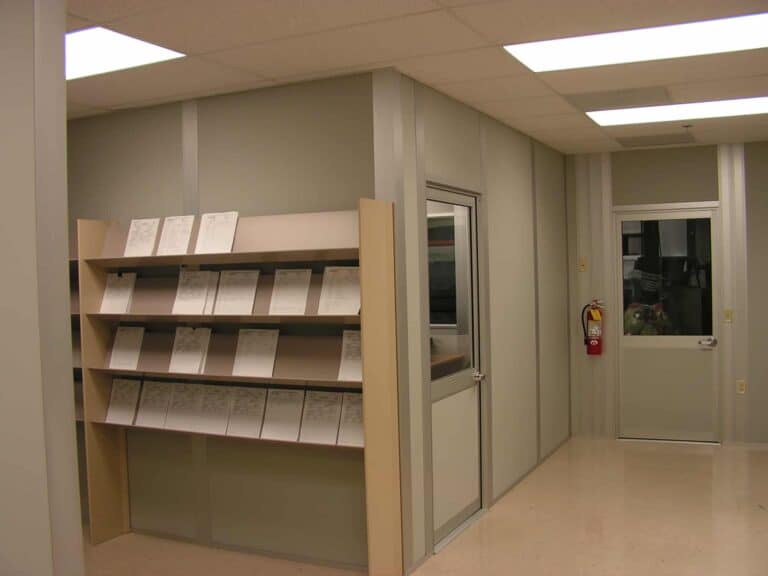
591	275
39	499
734	330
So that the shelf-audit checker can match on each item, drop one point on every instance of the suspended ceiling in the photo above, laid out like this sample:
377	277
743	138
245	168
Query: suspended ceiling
451	45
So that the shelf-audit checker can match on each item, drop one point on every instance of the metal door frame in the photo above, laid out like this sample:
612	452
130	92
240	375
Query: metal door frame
680	210
480	350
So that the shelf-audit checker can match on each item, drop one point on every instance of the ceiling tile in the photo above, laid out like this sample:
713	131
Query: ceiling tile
172	80
502	88
636	130
464	65
524	108
723	89
371	44
566	125
513	21
76	23
196	27
106	10
659	73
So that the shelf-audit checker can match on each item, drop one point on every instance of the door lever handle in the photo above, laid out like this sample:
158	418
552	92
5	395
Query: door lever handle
478	376
710	342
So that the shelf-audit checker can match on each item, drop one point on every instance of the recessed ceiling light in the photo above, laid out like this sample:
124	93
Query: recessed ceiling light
98	50
676	41
674	112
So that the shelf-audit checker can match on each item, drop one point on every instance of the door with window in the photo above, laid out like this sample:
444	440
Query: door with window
668	354
455	378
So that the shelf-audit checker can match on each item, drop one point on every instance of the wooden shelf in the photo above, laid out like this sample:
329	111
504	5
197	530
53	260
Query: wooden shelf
227	319
283	382
241	438
226	258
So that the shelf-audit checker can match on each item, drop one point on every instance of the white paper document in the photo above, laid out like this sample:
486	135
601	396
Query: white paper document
192	292
320	421
247	414
351	366
289	294
141	237
122	401
126	348
153	406
210	297
255	355
282	418
217	233
190	349
174	239
184	408
214	410
237	291
118	293
351	427
341	291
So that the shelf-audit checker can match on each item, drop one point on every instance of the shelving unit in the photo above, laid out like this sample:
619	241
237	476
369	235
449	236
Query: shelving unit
308	352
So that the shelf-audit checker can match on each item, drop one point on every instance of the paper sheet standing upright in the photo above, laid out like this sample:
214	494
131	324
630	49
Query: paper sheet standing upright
174	239
351	366
217	233
141	237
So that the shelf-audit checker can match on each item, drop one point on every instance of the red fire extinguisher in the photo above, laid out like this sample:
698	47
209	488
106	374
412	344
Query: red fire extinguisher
592	325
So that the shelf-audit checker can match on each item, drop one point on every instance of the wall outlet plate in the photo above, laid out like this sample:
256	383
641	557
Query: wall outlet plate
582	265
728	315
741	386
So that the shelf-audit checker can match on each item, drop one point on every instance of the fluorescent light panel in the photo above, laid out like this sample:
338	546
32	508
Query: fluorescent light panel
98	50
676	41
674	112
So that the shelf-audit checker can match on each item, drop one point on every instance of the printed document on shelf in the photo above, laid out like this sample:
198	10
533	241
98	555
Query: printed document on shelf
118	293
190	348
341	291
122	401
237	292
210	297
247	414
174	239
255	354
184	408
214	410
290	291
282	418
153	406
141	237
192	292
126	348
320	421
217	233
351	427
351	366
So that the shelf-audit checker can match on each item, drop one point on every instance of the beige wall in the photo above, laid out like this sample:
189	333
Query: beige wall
664	175
126	164
40	518
552	283
297	148
512	305
756	168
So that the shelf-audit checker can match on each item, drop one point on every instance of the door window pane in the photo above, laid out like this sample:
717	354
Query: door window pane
450	285
667	277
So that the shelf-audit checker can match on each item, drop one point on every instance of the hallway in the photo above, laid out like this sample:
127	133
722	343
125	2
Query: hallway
620	508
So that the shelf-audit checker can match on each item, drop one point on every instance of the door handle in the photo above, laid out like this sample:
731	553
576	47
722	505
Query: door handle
710	342
478	376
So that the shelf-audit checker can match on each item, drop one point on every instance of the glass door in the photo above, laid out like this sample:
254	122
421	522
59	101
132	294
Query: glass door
668	345
454	353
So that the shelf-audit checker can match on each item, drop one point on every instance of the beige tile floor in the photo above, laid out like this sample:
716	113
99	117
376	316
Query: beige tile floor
595	508
600	507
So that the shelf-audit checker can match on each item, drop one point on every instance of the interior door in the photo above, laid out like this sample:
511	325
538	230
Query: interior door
669	358
454	354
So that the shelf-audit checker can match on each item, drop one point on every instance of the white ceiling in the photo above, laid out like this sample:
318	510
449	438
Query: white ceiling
452	45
